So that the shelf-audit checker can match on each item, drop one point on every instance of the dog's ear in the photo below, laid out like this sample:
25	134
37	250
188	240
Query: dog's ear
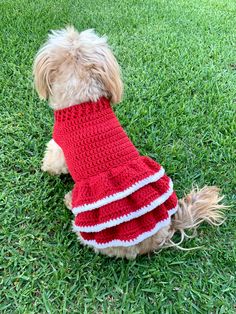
108	72
111	77
43	71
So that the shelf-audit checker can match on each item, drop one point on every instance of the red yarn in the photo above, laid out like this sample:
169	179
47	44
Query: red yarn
116	190
130	230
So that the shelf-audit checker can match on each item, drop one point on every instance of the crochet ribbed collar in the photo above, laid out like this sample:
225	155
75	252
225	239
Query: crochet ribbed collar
82	110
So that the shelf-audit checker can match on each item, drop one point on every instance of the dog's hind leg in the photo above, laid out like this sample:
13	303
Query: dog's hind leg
68	200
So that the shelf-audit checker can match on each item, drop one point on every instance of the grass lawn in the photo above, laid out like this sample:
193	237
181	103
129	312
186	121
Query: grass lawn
179	67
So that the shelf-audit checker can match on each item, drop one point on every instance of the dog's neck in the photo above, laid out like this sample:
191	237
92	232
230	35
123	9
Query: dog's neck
74	92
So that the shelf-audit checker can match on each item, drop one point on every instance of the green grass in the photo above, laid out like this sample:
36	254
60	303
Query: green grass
178	60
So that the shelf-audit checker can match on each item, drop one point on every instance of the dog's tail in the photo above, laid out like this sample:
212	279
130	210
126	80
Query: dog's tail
198	206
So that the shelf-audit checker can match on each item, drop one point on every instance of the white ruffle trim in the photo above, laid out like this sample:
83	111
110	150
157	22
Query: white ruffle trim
117	196
114	222
140	238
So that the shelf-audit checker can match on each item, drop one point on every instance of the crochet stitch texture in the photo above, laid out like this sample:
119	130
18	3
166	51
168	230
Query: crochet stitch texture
119	198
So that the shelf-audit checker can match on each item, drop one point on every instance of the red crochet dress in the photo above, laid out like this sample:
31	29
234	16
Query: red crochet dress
120	198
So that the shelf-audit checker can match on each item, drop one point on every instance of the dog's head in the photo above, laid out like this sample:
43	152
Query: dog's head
73	67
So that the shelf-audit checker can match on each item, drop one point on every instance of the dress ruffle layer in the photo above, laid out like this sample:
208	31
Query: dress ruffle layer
134	205
125	205
114	184
149	223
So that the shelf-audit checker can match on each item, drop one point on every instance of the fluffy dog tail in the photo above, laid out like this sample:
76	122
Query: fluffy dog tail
198	206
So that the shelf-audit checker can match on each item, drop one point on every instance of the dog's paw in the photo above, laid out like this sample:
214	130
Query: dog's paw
68	200
54	169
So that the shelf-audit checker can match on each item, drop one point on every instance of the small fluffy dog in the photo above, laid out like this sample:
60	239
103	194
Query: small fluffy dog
124	204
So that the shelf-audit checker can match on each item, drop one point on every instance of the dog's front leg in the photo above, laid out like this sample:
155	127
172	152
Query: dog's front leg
54	160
